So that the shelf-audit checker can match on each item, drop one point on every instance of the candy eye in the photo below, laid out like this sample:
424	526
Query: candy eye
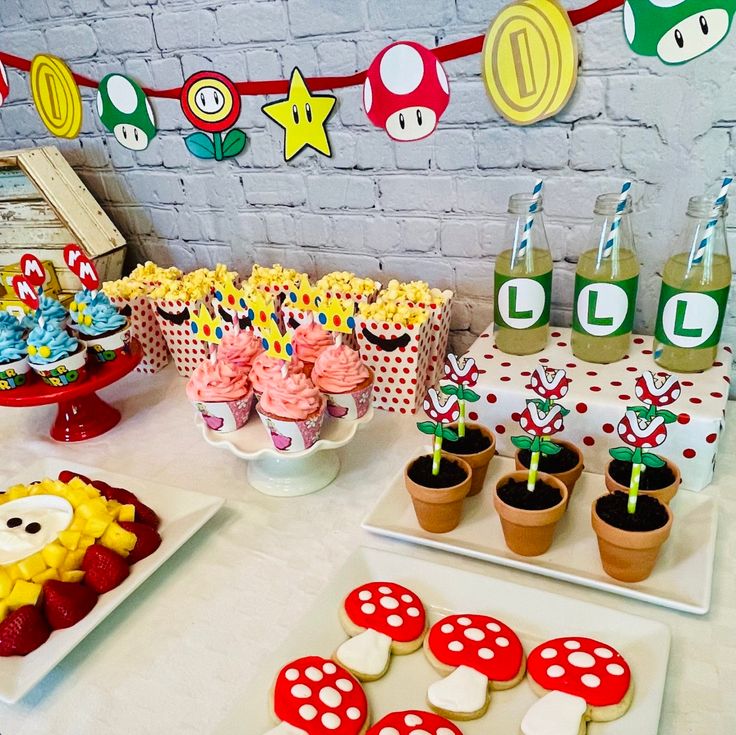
32	350
44	351
73	306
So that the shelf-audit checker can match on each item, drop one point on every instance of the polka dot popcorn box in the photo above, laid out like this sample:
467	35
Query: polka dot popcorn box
440	316
144	327
597	399
399	356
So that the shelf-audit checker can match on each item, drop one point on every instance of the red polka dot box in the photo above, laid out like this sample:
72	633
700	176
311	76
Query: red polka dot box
597	399
145	329
439	332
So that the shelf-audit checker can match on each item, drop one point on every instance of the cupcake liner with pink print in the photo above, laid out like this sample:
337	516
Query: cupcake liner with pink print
293	435
225	416
351	405
145	329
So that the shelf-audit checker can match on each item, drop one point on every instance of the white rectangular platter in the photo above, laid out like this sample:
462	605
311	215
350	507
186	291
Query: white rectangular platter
681	580
182	514
535	616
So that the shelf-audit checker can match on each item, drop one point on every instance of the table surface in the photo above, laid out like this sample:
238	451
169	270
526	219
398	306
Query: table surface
176	655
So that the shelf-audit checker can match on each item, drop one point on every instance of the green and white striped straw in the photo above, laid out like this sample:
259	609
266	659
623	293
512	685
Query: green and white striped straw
697	257
536	193
616	223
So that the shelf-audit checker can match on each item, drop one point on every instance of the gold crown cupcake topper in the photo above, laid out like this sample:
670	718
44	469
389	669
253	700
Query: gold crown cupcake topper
336	315
230	296
305	296
261	311
206	327
277	345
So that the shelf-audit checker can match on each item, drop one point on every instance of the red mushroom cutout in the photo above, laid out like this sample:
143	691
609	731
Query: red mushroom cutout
382	618
406	91
578	680
482	653
315	696
413	722
4	84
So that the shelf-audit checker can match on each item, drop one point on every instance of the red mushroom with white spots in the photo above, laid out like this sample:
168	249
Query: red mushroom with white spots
479	653
413	722
406	91
382	618
315	696
578	680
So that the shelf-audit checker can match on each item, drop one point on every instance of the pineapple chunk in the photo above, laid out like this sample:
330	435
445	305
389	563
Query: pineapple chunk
85	541
3	610
50	573
96	526
32	565
95	507
118	539
24	593
126	513
73	560
70	539
13	572
77	524
54	555
6	583
74	575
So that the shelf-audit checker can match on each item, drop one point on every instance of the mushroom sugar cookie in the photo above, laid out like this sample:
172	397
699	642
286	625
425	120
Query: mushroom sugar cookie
413	722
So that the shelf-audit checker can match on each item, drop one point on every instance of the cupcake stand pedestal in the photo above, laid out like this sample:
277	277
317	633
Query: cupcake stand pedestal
81	413
287	474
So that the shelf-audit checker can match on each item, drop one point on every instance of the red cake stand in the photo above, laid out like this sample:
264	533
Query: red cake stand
81	413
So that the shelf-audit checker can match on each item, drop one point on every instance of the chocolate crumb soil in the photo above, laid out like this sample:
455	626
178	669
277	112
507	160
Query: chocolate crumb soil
652	478
473	442
451	474
515	494
650	513
563	461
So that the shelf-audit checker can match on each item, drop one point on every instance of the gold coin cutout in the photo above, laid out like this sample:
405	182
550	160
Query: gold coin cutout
530	61
56	95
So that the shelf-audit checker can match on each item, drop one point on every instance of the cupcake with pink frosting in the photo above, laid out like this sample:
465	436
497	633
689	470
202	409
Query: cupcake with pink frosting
265	369
222	394
240	349
344	380
292	410
310	340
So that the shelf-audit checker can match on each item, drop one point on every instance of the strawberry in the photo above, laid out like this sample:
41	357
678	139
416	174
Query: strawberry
147	540
67	476
66	603
104	569
23	631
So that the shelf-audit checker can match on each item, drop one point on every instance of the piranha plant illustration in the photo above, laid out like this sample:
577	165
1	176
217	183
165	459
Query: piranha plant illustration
442	413
677	31
656	391
464	375
126	112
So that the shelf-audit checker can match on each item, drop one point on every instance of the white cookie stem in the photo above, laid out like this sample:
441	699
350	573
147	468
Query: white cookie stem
284	728
464	691
556	713
366	654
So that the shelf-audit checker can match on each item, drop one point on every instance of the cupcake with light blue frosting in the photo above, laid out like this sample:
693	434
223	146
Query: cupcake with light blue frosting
9	322
104	330
55	355
14	366
50	310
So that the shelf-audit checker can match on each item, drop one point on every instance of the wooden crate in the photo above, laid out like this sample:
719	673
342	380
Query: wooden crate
44	206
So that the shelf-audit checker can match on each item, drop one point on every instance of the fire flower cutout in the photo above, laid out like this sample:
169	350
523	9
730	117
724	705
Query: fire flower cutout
442	413
463	375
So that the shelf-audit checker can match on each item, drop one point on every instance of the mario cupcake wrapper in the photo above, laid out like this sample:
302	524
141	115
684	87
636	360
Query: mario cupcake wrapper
144	327
109	348
67	371
225	416
292	435
350	406
14	374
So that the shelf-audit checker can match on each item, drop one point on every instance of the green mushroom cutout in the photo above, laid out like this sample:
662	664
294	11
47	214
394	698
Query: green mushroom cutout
126	112
676	31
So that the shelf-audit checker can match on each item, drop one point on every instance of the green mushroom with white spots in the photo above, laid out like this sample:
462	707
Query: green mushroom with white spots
126	112
676	31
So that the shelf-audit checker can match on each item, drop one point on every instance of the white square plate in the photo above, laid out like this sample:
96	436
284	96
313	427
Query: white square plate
535	616
182	514
681	580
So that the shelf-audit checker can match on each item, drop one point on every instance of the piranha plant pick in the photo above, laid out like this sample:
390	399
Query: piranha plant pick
464	375
442	413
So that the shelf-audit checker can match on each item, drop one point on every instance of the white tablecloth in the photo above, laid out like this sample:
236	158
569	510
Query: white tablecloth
174	657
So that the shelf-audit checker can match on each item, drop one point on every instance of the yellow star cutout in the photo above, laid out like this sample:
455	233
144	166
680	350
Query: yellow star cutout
302	115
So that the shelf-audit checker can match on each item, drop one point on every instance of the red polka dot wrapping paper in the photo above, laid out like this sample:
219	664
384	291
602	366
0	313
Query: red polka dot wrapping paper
399	356
145	329
597	399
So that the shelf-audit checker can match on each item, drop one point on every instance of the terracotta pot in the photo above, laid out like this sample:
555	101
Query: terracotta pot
478	461
569	477
664	494
629	556
438	509
529	532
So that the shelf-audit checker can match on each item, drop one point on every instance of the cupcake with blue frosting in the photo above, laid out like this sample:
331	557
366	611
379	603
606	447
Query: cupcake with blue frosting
55	355
50	310
9	322
103	329
14	366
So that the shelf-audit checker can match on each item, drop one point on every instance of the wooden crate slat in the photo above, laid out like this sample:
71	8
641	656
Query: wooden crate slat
30	212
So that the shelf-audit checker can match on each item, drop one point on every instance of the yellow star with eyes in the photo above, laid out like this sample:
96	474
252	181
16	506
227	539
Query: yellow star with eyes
303	116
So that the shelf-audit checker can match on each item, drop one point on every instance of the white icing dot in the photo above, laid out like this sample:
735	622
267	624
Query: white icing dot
485	653
353	713
555	671
291	674
364	595
301	691
388	731
331	697
615	669
307	712
329	668
447	628
501	641
330	720
389	603
384	590
412	612
463	621
455	646
603	653
548	653
493	627
581	659
394	621
590	680
412	720
313	674
344	685
445	731
407	598
571	645
368	608
474	634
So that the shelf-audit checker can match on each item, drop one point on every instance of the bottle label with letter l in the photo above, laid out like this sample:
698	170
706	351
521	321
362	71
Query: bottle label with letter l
604	308
522	303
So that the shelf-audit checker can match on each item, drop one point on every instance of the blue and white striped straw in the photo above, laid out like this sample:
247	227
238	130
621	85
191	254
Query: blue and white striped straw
616	223
697	257
536	193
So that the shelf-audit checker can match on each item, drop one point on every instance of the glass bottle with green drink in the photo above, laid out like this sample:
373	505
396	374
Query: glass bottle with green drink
606	283
694	292
522	282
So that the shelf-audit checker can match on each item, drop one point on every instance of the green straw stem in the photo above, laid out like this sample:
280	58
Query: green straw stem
461	421
436	455
634	487
533	469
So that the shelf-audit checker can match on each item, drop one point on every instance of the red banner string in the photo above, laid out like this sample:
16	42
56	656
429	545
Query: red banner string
447	52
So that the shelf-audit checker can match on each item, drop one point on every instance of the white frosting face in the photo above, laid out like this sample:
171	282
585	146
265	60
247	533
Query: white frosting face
27	525
555	713
366	653
463	691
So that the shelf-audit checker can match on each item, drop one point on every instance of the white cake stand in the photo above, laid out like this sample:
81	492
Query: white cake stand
287	474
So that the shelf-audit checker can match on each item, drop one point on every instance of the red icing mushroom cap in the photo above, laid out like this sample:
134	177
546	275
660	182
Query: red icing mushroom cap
320	697
582	667
387	608
479	642
414	722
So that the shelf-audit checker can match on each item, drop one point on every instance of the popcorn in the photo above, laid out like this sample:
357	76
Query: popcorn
276	275
418	292
193	286
397	312
126	288
149	272
346	282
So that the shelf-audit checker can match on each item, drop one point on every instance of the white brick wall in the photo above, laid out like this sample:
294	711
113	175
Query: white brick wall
433	209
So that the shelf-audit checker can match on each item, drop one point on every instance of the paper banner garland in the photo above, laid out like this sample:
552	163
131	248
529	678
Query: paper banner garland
406	91
211	103
126	112
676	32
4	84
303	116
56	96
530	61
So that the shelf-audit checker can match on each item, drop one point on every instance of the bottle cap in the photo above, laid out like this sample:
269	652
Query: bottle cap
520	203
606	204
